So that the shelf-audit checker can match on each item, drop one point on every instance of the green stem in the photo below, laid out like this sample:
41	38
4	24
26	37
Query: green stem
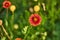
12	20
7	14
6	32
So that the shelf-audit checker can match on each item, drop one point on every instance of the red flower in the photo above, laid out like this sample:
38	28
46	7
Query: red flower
6	4
35	19
18	39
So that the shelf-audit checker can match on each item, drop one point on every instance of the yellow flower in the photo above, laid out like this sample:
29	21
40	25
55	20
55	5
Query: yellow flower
12	8
36	8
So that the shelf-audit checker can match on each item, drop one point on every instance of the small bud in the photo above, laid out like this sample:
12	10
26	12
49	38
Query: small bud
35	0
31	9
45	33
0	22
43	37
16	26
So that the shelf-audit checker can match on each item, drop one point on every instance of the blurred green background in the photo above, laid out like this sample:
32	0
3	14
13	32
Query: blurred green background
50	20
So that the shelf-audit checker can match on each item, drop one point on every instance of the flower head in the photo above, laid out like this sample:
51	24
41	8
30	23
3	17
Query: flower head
6	4
18	39
36	8
12	8
35	19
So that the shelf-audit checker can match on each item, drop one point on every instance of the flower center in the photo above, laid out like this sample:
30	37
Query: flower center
6	4
35	19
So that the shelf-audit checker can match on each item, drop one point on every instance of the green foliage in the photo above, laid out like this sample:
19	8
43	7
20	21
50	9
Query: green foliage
50	20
